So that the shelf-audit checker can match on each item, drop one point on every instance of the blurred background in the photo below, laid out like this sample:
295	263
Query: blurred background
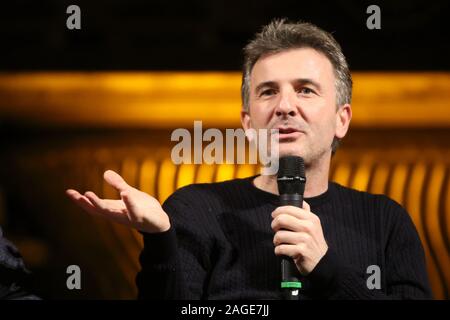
74	103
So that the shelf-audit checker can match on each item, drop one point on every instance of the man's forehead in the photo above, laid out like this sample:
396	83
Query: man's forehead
292	64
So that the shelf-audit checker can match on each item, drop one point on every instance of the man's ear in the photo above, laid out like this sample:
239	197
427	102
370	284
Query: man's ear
343	118
245	120
246	125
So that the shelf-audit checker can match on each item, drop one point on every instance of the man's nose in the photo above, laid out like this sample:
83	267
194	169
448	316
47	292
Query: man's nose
285	107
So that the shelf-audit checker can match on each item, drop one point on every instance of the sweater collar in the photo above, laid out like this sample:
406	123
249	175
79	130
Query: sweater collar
274	198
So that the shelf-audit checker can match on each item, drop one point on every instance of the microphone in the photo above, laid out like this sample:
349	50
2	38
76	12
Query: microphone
291	186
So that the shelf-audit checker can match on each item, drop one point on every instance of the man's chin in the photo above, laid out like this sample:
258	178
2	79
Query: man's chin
283	152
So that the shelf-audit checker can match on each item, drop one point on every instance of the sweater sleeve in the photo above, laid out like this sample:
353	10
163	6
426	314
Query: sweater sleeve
174	264
405	269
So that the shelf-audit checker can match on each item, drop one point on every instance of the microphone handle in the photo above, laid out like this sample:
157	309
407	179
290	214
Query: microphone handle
288	268
295	200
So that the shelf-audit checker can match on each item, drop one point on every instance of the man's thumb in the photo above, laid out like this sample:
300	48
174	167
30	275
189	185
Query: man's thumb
115	180
129	203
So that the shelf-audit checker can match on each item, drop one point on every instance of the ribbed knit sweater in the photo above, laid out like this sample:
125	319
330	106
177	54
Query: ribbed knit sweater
220	246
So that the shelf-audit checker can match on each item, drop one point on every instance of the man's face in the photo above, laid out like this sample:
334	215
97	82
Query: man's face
294	91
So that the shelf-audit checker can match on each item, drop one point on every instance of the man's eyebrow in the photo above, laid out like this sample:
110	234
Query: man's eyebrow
301	81
265	84
304	81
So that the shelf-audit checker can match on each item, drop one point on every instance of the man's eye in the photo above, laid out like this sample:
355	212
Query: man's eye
267	92
306	90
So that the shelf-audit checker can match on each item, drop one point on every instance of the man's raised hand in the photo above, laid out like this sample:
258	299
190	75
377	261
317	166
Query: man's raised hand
136	209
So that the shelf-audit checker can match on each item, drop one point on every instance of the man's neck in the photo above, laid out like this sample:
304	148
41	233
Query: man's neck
316	180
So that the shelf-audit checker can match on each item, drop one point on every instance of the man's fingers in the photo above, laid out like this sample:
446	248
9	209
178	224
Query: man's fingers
291	223
81	201
116	181
96	201
299	213
290	250
290	237
108	208
72	194
111	209
306	206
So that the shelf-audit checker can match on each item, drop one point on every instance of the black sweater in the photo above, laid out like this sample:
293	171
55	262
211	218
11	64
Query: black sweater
220	247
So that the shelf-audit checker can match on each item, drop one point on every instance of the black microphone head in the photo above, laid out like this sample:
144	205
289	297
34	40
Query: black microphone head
291	175
291	166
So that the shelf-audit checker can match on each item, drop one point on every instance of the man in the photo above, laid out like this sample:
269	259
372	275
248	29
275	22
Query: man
224	240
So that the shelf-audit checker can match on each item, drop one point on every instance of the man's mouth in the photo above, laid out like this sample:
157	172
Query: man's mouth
288	133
